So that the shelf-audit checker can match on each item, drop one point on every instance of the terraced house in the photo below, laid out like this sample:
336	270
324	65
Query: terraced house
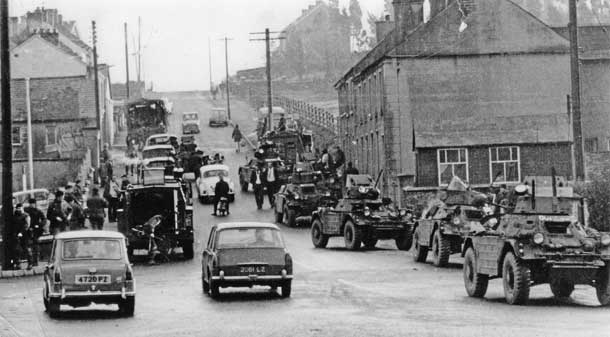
472	88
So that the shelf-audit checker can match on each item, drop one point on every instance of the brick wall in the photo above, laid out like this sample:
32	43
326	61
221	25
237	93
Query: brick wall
597	164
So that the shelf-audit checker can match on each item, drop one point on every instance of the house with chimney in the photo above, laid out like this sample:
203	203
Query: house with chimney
52	73
471	88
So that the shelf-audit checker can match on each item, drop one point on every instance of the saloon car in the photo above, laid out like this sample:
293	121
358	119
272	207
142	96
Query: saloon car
206	183
156	151
89	267
162	139
218	117
190	122
246	255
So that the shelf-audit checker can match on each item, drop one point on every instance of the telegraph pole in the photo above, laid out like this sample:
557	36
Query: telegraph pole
575	98
210	62
267	40
227	74
96	77
139	48
126	63
7	125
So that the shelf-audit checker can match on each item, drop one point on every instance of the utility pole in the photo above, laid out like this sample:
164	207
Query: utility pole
96	77
7	125
126	63
227	75
139	47
267	40
210	62
28	110
579	149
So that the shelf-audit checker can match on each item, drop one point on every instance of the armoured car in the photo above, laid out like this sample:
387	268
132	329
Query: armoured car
362	217
541	239
299	198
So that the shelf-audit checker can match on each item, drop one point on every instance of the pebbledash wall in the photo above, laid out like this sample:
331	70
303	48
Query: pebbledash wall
63	128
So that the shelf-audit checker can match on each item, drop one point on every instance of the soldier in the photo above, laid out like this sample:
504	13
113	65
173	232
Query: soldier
21	237
37	223
57	214
76	219
95	209
270	181
256	179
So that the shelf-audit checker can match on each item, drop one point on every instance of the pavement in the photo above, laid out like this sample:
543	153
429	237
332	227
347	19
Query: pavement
336	292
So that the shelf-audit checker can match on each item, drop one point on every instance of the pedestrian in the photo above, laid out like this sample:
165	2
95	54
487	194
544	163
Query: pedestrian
37	223
78	192
256	179
270	180
325	160
58	214
21	237
95	209
350	170
132	158
112	193
339	158
106	153
68	192
237	137
221	190
76	218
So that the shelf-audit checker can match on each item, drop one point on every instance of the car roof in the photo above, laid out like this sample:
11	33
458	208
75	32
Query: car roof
235	225
157	147
158	159
36	190
162	135
214	167
89	234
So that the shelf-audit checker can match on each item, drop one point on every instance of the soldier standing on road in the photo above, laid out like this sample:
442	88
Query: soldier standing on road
113	192
256	179
270	179
106	153
37	223
237	137
76	219
57	214
95	209
21	237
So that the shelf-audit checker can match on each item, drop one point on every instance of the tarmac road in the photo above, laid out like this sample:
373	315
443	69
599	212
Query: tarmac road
335	292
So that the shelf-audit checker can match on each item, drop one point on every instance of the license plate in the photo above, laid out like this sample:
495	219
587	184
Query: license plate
92	279
252	270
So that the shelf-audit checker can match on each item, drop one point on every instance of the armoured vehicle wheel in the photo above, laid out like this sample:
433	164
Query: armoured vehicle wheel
603	286
352	235
562	288
370	243
54	307
278	216
516	277
290	217
318	238
404	241
420	253
127	306
441	249
188	251
475	283
286	289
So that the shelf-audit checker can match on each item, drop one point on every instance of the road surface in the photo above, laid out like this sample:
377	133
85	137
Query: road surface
335	292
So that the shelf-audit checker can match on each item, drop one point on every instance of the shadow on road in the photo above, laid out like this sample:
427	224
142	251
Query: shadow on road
248	296
549	302
95	314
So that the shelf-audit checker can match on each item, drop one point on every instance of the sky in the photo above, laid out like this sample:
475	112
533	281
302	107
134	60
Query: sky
175	33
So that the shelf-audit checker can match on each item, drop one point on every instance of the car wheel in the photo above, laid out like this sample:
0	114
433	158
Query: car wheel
127	306
130	252
475	283
602	286
286	289
214	288
370	243
54	308
404	241
420	253
290	217
318	238
516	277
352	235
441	249
204	284
279	217
188	251
45	299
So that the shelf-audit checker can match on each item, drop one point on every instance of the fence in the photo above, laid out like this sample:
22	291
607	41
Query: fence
313	114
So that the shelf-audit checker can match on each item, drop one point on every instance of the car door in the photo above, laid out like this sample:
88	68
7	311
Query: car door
208	254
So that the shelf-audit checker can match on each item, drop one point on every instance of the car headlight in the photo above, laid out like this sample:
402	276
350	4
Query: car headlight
456	221
402	212
538	238
362	190
367	211
297	197
493	221
605	240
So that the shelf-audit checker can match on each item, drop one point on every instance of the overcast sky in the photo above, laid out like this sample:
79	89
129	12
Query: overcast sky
175	33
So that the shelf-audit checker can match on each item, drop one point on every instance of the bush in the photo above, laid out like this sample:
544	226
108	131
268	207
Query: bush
597	192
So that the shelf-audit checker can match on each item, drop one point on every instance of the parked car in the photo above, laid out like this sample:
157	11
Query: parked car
157	151
162	139
167	163
218	117
42	196
190	122
89	267
245	255
207	182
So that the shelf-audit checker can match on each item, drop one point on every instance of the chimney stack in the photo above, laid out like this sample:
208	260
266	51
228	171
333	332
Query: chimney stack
383	28
408	15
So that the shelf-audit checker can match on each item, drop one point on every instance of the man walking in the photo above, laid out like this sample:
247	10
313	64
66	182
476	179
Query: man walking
113	194
37	223
220	191
237	137
57	214
271	182
76	219
95	209
256	179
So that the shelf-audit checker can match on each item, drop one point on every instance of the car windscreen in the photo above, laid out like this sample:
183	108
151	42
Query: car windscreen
190	117
92	249
249	238
215	173
159	141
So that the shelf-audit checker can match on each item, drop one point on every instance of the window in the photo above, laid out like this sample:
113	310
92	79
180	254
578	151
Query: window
95	249
505	164
51	135
452	162
16	135
591	145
